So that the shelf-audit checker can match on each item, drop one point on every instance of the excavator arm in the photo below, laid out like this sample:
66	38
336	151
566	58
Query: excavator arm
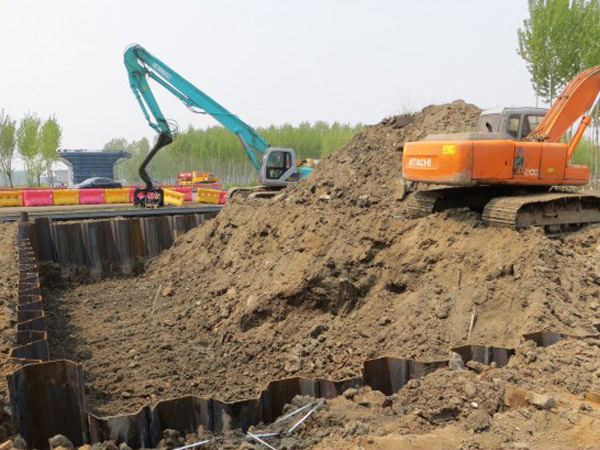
141	65
578	97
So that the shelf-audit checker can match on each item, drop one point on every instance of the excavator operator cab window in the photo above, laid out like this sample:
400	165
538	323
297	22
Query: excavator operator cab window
530	123
512	126
277	164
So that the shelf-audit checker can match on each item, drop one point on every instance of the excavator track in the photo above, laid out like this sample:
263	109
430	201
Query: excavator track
554	211
475	198
514	208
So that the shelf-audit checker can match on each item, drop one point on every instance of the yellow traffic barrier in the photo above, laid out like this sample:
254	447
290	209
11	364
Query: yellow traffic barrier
119	195
65	196
205	195
11	198
173	197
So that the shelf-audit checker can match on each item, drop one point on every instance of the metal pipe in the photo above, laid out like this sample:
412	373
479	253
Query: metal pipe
196	444
259	440
307	415
582	126
295	412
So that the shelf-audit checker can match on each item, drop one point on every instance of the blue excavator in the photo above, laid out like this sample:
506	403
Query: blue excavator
277	167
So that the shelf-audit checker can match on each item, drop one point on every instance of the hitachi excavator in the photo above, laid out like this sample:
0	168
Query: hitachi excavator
515	183
277	167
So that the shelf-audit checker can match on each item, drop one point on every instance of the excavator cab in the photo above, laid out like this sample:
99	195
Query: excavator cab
279	167
513	123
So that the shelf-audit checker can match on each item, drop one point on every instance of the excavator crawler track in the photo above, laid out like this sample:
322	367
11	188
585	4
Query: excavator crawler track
437	200
553	211
513	207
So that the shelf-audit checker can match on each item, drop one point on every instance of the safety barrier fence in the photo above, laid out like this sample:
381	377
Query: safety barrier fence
211	196
56	197
47	397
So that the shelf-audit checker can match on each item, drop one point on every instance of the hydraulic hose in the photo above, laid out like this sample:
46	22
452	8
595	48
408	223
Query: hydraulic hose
163	140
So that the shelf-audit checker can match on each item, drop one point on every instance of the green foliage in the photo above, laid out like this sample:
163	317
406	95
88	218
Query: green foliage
50	135
8	144
559	39
582	152
29	147
118	144
219	151
586	154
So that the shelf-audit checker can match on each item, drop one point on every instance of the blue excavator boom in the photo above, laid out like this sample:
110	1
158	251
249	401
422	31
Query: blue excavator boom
276	167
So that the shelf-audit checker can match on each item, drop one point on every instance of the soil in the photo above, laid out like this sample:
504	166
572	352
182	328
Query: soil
447	409
330	272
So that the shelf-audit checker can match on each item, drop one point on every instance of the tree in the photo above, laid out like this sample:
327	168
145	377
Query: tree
559	39
7	146
590	39
49	136
29	147
217	150
115	144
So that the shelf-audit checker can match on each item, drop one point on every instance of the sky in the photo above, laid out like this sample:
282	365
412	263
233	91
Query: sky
268	61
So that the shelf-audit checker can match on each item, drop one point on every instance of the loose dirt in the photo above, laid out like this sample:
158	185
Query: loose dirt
332	271
447	409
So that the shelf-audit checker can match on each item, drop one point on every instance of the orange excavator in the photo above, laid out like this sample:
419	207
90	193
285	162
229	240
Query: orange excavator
514	183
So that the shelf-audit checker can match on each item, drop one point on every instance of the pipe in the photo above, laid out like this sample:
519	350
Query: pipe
582	126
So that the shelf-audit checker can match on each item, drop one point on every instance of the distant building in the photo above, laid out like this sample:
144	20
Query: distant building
84	164
61	177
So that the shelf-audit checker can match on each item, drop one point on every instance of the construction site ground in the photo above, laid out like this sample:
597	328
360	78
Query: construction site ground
333	271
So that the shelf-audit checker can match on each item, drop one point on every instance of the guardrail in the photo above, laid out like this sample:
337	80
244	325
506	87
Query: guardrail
62	196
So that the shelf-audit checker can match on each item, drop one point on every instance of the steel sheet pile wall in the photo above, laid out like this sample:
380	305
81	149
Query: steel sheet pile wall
31	338
107	246
47	398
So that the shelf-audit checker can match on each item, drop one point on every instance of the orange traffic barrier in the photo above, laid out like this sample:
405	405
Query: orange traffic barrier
65	196
209	195
38	197
11	198
91	196
173	197
120	195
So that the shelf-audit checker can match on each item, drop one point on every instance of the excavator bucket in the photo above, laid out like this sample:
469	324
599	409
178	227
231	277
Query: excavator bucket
149	198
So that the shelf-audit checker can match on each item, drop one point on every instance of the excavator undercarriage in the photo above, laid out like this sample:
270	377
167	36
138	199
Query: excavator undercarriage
252	192
514	207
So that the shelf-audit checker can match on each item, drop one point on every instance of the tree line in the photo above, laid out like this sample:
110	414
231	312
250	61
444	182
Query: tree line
218	150
34	141
559	39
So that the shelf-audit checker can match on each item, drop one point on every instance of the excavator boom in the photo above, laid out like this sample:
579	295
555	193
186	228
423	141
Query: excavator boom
276	167
574	101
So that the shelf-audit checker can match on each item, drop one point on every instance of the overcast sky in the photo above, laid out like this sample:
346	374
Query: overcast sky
269	61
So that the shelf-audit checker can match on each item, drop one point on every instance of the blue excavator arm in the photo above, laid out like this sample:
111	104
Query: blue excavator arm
277	167
142	65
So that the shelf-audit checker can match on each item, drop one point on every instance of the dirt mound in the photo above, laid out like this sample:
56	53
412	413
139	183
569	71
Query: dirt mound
367	170
329	273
